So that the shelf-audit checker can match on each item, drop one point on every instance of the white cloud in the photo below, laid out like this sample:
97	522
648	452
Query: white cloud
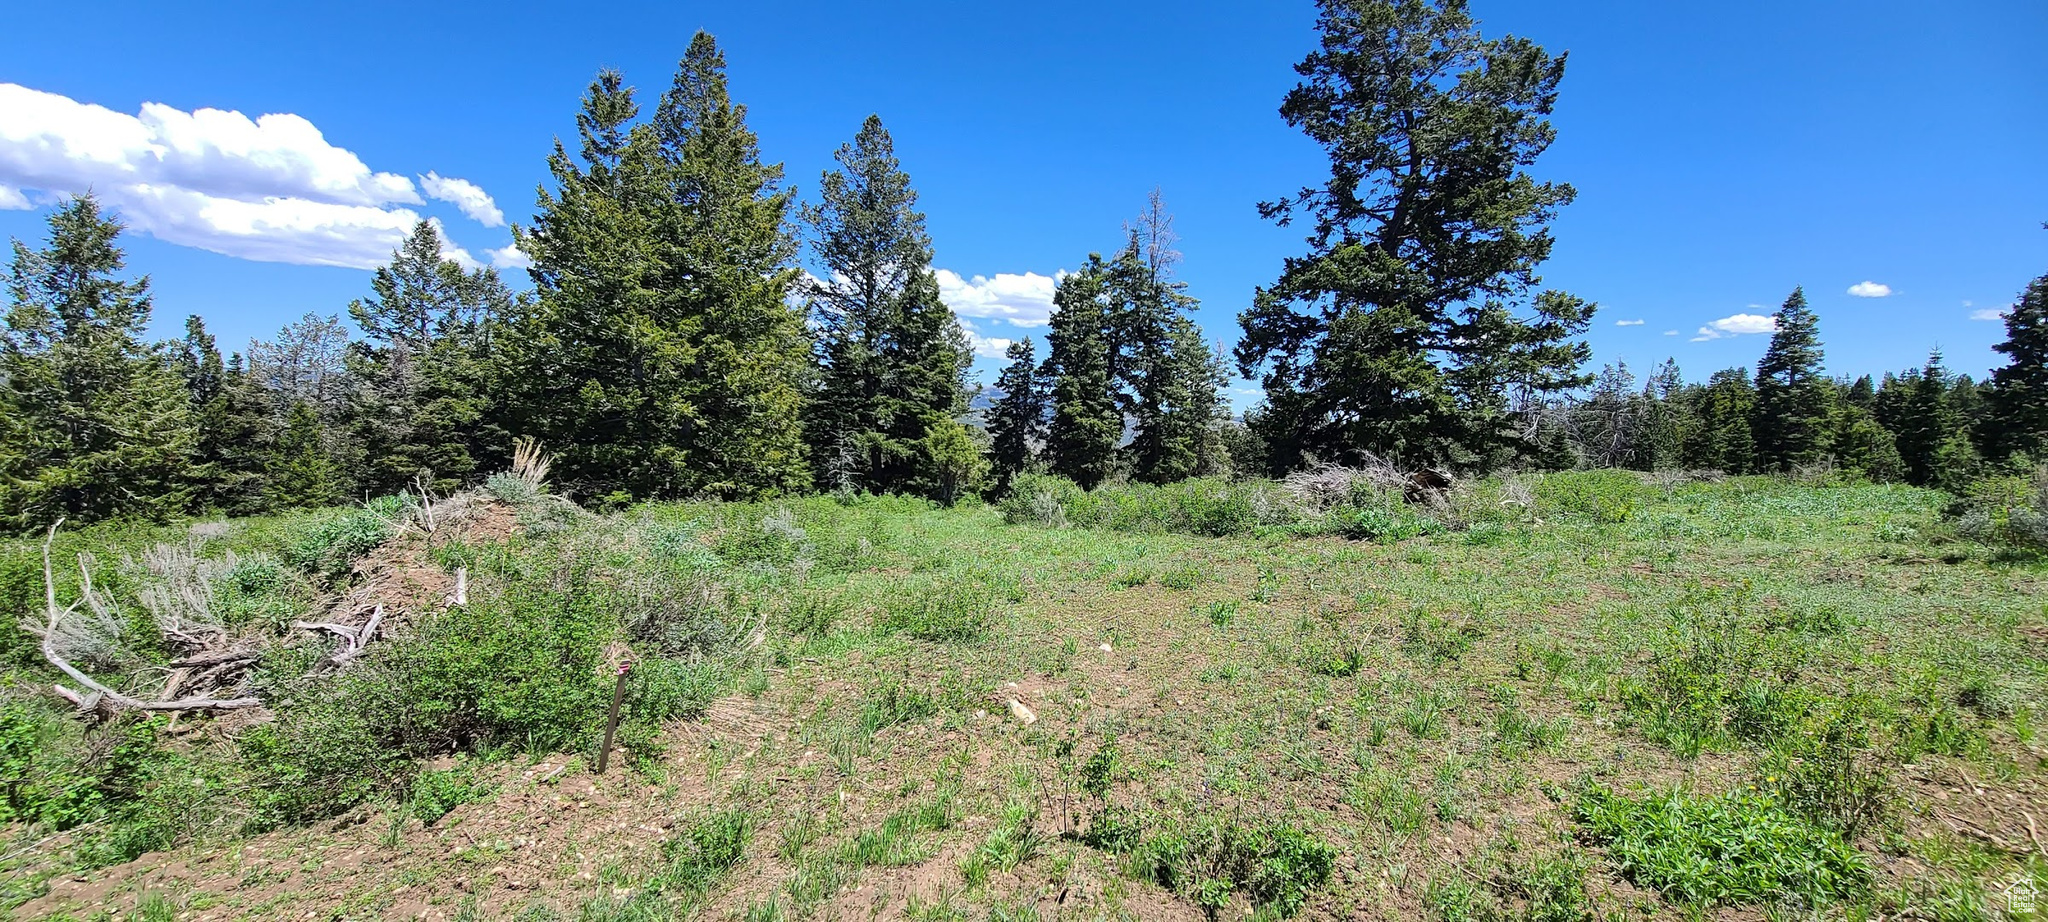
1024	300
1671	332
1990	313
1737	325
988	347
289	230
1628	323
1869	289
464	195
509	256
11	199
270	188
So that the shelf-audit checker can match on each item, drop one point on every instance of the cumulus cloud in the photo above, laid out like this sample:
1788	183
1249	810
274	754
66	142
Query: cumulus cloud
1869	289
1628	323
1024	300
288	230
1990	313
465	196
988	347
1737	325
509	256
270	188
11	199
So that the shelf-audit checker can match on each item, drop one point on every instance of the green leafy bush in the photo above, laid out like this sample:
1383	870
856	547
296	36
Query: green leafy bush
435	793
2010	511
1276	865
1735	849
953	611
1608	497
327	545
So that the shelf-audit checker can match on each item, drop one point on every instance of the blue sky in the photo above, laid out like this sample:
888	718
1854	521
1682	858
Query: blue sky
1723	152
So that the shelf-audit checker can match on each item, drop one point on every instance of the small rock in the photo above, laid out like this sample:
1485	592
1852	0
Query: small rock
1105	647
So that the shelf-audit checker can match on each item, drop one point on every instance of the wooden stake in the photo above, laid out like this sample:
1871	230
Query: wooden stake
611	722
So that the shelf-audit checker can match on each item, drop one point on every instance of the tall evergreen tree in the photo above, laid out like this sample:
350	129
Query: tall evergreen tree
894	358
1398	333
1925	422
303	473
1016	425
1087	423
1178	435
662	356
1667	420
419	398
1609	423
94	422
1792	412
231	423
1723	440
2017	413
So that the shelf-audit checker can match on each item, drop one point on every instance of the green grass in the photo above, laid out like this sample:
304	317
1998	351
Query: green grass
1732	849
1286	719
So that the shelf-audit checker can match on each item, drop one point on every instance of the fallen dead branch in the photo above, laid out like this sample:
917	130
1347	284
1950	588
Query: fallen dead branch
354	639
97	697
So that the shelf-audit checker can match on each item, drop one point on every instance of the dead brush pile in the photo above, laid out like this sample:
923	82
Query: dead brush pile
375	571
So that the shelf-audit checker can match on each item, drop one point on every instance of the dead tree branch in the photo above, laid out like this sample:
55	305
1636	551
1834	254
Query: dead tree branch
96	696
354	640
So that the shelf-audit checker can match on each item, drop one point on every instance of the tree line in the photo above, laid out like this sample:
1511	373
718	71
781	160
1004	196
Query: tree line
673	344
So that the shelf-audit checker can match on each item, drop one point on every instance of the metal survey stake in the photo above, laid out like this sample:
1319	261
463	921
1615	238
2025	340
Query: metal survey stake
611	721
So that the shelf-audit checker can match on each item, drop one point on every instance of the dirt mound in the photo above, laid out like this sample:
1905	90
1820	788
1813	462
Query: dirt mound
405	577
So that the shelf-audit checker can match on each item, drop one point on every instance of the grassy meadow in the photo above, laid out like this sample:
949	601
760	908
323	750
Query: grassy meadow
1581	696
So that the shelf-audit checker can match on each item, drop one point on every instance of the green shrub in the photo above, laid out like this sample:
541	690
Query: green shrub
2009	511
328	544
1608	497
259	589
1276	865
954	611
706	850
1735	849
435	793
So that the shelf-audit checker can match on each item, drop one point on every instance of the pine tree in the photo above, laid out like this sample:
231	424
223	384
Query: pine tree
1177	437
1086	424
1398	333
2016	419
1166	375
1864	446
303	474
417	400
1609	423
894	358
1723	440
97	424
662	357
1790	421
1016	425
232	427
1925	421
1667	420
